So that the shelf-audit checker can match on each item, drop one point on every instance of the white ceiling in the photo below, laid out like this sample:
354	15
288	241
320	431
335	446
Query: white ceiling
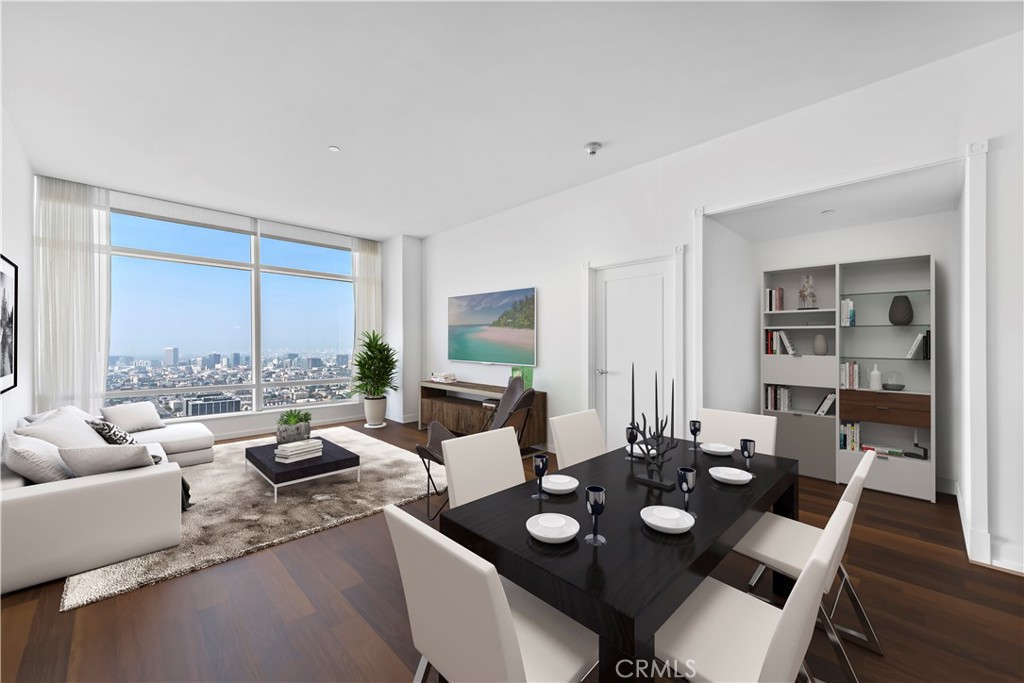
445	112
923	191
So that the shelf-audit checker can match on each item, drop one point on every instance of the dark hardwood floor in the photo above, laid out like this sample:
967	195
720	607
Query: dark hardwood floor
329	607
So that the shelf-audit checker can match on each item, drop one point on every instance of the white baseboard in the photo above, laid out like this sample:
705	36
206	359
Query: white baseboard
1008	556
978	543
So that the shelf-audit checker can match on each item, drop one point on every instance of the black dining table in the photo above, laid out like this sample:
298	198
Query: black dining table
625	590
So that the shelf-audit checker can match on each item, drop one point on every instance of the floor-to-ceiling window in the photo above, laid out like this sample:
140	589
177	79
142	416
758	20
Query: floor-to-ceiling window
212	319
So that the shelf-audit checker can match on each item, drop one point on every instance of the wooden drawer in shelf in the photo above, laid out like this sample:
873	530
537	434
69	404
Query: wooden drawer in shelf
911	410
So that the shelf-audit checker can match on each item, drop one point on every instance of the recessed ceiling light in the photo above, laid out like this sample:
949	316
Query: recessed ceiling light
334	148
828	212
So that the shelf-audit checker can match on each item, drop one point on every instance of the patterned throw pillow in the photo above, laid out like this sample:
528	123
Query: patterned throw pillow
111	433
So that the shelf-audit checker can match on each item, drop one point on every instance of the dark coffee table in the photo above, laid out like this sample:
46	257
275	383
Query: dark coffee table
335	459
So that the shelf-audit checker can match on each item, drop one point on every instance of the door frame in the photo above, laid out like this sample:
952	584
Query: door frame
677	341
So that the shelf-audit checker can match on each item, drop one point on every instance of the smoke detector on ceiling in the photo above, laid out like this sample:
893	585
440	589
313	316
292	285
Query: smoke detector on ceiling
592	148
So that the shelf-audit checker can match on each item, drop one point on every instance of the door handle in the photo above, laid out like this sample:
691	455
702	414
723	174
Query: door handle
601	371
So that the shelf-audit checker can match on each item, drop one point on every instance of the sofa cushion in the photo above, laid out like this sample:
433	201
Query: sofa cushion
111	433
178	438
9	479
64	429
35	459
133	417
110	458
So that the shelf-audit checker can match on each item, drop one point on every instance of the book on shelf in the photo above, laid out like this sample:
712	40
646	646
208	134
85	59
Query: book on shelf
881	450
849	436
849	375
826	404
928	345
773	299
786	342
847	313
915	345
777	398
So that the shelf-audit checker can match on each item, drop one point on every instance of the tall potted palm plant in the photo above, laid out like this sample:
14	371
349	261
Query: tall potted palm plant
376	368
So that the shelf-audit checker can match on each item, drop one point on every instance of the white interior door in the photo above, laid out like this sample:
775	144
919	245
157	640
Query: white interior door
634	322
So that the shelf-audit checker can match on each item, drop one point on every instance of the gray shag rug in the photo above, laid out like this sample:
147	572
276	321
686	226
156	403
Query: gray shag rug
234	513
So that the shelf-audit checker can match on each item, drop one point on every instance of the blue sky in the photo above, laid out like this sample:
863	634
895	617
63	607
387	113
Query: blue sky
481	309
203	309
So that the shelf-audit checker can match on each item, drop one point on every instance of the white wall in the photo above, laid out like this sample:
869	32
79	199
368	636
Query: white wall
919	117
16	244
935	234
732	320
403	320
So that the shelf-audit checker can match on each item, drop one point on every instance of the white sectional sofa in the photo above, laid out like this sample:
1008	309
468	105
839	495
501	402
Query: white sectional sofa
59	528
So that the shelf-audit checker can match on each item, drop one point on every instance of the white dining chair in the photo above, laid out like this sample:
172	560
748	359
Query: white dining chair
728	427
784	544
494	630
578	437
723	634
481	464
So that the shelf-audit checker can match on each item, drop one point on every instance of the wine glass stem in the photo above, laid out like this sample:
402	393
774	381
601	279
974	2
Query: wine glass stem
595	527
686	501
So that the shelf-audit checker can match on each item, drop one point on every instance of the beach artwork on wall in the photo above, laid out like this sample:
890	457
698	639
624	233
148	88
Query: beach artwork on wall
495	327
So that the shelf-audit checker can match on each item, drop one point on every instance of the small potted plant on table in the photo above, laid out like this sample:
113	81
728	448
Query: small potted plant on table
376	367
293	425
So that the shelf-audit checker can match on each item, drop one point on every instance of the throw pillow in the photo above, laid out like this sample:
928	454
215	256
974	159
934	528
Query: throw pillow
36	460
133	417
65	429
88	461
111	433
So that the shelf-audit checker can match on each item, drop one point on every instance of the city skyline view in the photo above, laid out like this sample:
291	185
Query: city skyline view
182	310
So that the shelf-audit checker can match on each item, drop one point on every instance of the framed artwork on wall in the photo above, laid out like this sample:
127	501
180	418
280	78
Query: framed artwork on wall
8	324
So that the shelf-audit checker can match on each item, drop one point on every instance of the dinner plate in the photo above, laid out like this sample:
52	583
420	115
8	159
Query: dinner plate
730	475
667	519
550	527
717	449
559	484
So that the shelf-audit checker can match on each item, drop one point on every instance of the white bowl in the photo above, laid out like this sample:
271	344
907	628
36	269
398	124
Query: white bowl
559	484
550	527
730	475
717	449
667	519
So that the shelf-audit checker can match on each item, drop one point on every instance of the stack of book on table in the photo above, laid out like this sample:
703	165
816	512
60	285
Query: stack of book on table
299	450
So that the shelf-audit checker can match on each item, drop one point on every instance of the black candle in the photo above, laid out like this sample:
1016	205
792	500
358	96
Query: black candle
672	415
632	394
656	420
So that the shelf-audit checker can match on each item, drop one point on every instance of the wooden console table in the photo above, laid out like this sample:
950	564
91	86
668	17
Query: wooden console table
451	405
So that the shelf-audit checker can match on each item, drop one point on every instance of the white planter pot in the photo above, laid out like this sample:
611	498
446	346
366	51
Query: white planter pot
375	409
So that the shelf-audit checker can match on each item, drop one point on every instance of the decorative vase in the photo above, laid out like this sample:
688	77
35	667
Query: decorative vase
900	310
375	408
295	432
875	379
820	345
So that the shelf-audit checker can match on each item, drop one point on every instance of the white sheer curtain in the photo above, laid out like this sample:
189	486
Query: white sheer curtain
366	271
72	294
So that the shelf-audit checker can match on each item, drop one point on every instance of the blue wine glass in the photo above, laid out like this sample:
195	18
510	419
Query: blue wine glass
595	506
540	468
695	430
748	448
687	483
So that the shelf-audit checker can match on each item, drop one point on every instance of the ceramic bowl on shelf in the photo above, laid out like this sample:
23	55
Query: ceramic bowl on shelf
894	387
